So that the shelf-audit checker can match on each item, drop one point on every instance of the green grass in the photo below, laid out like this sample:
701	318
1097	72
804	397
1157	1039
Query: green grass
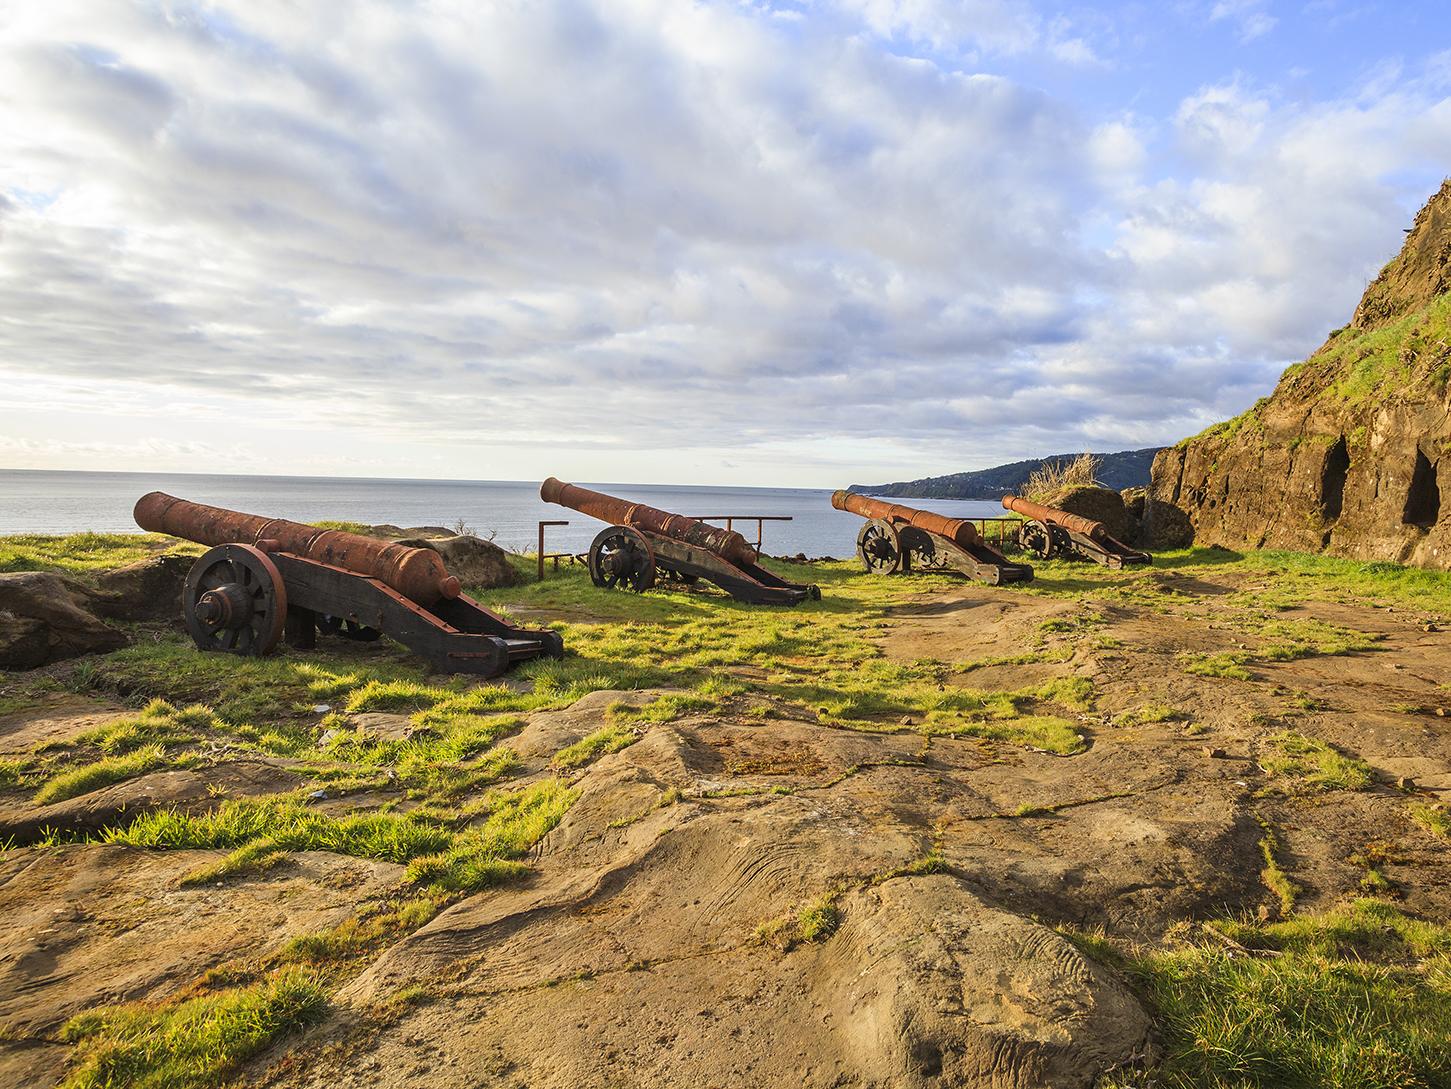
194	1043
1433	818
289	825
610	738
1149	714
819	919
489	853
104	772
1312	764
372	927
84	554
1359	998
1273	874
258	831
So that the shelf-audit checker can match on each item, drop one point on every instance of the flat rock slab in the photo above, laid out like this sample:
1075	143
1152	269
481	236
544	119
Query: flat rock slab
86	926
55	721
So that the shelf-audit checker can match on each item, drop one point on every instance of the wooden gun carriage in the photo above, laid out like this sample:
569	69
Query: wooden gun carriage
1050	533
643	542
266	576
898	538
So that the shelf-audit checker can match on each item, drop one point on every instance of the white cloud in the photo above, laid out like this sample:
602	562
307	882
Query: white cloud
497	240
1250	18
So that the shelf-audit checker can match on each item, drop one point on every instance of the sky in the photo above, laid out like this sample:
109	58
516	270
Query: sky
773	244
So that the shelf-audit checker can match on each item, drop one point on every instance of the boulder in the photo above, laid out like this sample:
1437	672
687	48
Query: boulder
1101	504
1164	526
479	564
36	606
24	642
148	589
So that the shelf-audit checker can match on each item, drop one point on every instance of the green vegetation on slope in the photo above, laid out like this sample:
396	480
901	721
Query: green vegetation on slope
84	554
1359	998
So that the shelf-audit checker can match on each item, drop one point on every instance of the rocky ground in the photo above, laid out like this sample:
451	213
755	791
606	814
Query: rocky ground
883	840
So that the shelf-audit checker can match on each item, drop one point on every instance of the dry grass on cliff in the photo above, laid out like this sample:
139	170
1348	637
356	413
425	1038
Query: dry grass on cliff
1052	476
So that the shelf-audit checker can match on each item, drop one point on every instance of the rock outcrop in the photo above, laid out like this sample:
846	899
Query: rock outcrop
148	589
1351	455
479	564
45	617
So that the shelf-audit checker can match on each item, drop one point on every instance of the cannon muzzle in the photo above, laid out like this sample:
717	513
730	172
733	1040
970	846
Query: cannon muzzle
958	530
726	543
1053	516
416	573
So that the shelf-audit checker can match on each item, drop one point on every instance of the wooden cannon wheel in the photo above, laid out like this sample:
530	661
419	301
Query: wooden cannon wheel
1035	538
621	556
234	601
880	547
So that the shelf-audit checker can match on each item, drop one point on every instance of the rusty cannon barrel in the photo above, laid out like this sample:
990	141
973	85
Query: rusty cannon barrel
1076	522
726	543
958	530
416	573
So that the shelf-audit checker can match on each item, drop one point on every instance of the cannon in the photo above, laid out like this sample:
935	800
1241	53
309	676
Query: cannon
642	542
266	576
898	538
1051	533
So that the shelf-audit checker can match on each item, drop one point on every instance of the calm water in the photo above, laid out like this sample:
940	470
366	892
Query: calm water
37	501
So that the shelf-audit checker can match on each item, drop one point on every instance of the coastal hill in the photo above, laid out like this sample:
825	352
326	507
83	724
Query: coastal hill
1126	469
1351	454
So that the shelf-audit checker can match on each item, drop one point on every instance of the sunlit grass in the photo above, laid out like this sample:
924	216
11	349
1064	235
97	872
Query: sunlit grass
84	554
1359	998
193	1043
1312	764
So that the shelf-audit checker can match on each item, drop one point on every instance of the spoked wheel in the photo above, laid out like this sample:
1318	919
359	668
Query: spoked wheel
348	629
235	601
880	547
622	557
919	553
1037	538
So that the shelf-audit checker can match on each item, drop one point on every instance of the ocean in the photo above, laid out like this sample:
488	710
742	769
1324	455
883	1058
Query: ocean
46	501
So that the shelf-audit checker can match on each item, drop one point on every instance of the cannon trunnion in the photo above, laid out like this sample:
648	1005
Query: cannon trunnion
243	595
904	539
1050	533
645	544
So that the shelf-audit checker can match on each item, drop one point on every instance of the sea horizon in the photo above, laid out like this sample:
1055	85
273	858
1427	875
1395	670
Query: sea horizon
58	501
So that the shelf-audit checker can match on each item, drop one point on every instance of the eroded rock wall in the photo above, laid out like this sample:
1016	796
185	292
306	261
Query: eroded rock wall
1351	455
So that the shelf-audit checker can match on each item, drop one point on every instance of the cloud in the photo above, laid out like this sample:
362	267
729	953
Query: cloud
1250	18
640	234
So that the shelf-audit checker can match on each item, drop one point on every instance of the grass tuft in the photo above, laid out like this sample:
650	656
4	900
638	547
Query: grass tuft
194	1043
1313	764
1359	998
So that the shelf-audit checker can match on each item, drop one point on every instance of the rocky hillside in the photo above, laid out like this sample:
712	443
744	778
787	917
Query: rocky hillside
1352	453
1126	469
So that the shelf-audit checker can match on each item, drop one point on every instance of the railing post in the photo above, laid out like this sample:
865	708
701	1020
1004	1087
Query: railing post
541	552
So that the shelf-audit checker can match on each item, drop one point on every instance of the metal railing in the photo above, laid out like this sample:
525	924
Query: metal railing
731	519
555	556
1005	530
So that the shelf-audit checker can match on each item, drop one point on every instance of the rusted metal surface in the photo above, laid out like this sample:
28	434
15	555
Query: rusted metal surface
960	531
731	519
1054	517
416	573
725	543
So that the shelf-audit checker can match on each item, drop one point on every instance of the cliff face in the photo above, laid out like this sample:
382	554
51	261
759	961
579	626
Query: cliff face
1351	455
